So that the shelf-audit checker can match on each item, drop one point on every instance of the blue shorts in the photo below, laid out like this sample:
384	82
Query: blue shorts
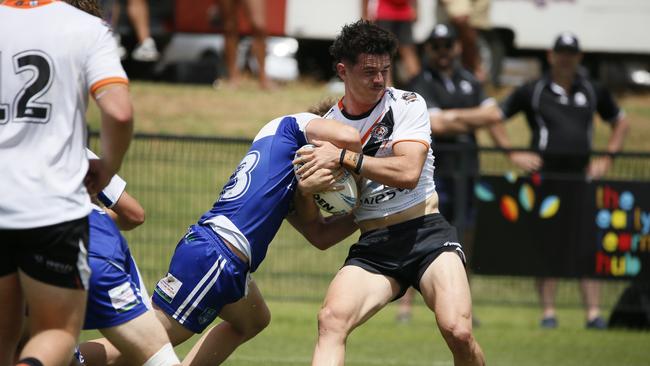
204	276
116	294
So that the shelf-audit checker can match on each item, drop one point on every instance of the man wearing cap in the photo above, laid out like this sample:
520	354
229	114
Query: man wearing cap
559	108
457	105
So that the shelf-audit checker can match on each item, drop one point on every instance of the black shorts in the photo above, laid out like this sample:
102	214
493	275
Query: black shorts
404	251
403	30
55	254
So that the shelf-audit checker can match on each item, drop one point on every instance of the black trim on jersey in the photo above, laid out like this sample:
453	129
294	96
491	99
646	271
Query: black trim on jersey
379	134
363	115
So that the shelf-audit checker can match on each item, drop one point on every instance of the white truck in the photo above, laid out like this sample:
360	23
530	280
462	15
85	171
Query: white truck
612	33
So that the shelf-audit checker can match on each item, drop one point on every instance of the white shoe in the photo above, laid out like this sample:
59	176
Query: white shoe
146	51
121	51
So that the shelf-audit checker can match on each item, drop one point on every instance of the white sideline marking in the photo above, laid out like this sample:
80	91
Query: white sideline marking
364	361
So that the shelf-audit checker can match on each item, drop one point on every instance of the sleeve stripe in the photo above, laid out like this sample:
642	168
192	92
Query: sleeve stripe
426	144
108	81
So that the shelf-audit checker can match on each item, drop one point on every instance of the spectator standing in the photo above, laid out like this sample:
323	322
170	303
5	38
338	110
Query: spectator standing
448	87
138	13
255	12
466	16
559	108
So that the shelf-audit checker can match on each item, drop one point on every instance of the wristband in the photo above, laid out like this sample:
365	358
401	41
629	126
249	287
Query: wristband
357	169
342	157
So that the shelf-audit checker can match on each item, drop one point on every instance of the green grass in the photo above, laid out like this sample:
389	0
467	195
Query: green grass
509	336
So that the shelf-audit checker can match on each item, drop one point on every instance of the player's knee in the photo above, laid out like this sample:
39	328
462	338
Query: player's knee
458	335
331	321
164	357
261	322
255	325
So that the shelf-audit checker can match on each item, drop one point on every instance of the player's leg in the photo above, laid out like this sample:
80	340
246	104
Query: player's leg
142	339
54	274
56	316
119	307
445	290
353	297
242	321
12	308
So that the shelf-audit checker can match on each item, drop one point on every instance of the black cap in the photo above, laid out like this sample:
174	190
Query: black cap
442	31
566	42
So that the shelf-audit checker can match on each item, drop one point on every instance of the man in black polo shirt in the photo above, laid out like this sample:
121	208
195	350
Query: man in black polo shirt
457	105
559	108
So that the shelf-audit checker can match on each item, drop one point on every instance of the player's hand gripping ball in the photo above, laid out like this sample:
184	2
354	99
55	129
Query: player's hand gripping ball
335	202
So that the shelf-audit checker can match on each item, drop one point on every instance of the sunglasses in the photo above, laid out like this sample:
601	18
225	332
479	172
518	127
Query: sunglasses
442	45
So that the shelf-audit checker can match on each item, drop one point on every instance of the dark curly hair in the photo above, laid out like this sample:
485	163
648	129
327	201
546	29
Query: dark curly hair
362	37
89	6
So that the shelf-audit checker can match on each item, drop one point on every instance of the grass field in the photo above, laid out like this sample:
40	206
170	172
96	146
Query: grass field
177	180
509	336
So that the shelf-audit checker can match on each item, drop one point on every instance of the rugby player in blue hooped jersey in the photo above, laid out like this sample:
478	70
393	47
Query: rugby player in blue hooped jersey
209	273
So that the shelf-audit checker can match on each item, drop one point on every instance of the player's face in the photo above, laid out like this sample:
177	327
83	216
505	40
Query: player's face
366	80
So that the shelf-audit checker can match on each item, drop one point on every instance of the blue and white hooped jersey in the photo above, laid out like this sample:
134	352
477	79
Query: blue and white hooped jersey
257	197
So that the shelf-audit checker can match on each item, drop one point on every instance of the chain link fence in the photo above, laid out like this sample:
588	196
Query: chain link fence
177	179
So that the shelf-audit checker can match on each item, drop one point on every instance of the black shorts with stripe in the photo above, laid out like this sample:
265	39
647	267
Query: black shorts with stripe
55	254
404	251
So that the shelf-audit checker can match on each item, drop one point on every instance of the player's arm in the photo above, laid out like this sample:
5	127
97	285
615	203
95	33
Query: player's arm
400	170
116	110
321	232
337	133
108	84
127	213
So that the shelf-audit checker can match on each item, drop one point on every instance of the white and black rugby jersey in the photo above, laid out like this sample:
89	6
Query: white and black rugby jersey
52	56
399	116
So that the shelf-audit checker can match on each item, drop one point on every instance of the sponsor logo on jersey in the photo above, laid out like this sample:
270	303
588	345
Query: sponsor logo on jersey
380	132
409	97
383	196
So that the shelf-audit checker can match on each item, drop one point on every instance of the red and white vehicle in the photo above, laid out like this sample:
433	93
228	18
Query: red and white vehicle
611	32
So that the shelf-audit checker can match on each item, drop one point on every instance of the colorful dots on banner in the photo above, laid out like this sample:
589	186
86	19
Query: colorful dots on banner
511	177
509	208
483	192
526	197
549	207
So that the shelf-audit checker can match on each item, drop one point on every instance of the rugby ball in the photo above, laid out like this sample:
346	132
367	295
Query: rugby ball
335	202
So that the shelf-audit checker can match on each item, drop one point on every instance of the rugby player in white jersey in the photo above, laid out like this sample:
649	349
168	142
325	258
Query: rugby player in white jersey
404	239
52	56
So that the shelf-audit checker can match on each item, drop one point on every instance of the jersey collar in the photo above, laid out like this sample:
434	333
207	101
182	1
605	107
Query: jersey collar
26	4
361	116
